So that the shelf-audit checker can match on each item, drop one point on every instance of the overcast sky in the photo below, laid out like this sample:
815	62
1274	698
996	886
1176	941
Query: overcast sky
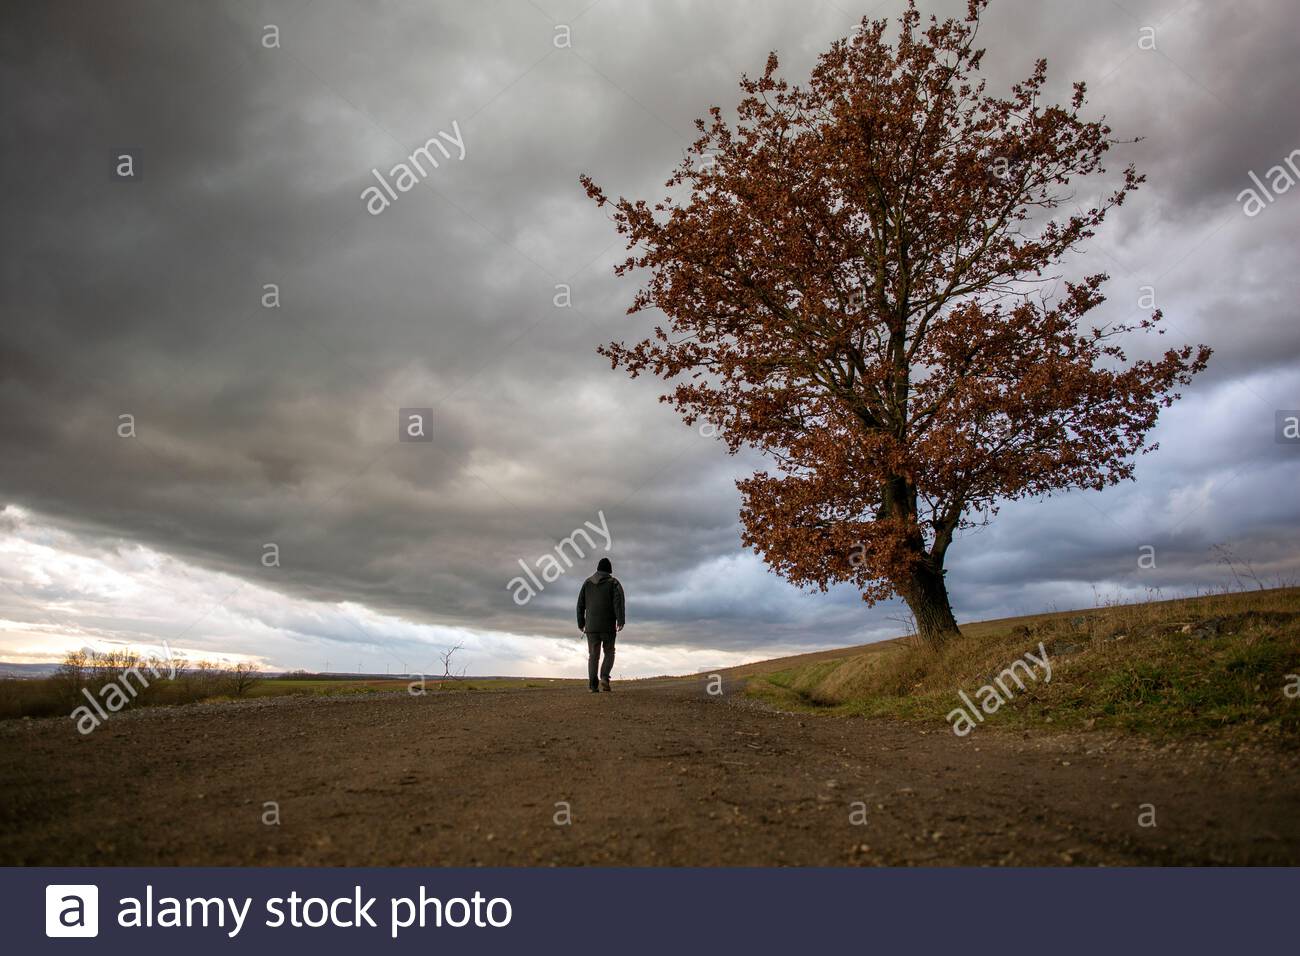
259	426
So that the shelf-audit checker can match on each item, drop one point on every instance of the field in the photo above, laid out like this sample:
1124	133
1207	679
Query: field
289	687
49	697
1165	736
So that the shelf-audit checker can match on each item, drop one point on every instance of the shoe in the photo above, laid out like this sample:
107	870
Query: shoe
604	685
594	690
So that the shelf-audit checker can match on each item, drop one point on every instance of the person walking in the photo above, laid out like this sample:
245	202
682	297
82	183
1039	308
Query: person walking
600	617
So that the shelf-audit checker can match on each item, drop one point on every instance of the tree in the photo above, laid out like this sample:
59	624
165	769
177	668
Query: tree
72	675
445	658
242	678
204	679
858	283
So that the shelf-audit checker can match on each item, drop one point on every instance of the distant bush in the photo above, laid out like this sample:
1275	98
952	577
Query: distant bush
146	682
29	697
241	678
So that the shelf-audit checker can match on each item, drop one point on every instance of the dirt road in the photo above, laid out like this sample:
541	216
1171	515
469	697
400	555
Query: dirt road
656	773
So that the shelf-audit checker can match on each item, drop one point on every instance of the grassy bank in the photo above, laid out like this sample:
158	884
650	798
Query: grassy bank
1213	664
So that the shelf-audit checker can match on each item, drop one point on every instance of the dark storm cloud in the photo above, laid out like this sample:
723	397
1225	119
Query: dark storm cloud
279	425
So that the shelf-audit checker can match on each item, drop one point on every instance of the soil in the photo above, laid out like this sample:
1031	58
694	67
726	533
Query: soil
656	773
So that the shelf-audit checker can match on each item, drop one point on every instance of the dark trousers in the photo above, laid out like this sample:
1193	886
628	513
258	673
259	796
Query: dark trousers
594	644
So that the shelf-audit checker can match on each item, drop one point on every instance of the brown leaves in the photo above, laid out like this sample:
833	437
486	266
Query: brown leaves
850	276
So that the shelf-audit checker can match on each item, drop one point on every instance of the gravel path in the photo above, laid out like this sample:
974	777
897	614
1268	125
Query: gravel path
656	773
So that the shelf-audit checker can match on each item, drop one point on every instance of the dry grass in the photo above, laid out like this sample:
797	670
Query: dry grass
1198	665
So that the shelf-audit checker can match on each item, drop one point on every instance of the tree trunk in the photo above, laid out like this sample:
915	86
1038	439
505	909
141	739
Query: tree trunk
927	596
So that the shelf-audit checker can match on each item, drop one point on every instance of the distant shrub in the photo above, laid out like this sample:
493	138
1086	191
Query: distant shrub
146	681
242	678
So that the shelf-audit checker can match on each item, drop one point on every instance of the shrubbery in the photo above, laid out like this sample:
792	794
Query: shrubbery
174	681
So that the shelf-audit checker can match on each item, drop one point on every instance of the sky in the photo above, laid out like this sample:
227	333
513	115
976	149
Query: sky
262	327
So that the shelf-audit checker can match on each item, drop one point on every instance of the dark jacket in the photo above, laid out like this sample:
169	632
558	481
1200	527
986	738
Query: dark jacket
600	604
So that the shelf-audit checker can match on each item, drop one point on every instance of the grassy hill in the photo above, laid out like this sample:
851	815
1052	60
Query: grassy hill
1222	663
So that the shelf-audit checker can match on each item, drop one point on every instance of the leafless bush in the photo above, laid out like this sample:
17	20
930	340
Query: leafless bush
1239	568
241	678
445	657
90	671
73	674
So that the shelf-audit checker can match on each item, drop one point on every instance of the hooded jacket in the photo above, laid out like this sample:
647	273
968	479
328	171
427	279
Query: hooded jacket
600	604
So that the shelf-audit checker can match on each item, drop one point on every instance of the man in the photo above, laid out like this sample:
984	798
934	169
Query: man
600	615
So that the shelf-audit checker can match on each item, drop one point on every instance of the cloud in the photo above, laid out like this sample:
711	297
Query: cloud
60	591
260	425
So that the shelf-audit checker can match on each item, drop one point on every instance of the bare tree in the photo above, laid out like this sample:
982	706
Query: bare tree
242	677
445	657
203	678
73	674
